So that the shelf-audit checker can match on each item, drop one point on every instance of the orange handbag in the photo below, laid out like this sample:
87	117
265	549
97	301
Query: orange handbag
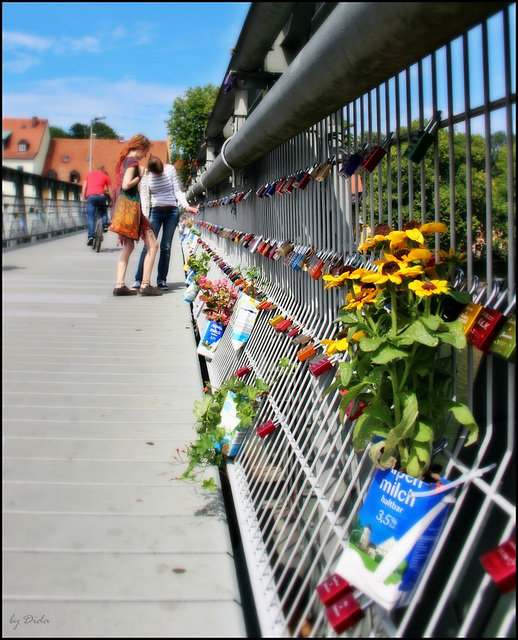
126	217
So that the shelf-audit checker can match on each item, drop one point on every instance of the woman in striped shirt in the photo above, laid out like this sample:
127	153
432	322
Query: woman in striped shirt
160	194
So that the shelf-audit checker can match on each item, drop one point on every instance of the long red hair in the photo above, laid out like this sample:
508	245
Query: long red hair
137	142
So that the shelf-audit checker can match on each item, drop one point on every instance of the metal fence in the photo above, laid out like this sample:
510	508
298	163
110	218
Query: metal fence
31	219
298	491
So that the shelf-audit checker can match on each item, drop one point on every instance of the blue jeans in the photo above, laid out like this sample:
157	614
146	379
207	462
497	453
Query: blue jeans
169	218
92	203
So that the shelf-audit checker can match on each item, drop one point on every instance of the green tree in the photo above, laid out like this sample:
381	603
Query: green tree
189	117
82	131
79	131
58	132
423	189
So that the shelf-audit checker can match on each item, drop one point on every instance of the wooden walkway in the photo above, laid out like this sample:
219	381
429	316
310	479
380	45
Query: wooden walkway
101	538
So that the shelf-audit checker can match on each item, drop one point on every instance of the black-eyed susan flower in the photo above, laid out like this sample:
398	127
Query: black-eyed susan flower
392	270
428	288
334	346
360	297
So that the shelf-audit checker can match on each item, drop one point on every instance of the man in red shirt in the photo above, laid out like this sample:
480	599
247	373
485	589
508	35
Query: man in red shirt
95	191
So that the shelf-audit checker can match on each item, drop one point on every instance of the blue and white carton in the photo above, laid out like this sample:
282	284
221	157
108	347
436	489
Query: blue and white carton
233	438
210	339
393	537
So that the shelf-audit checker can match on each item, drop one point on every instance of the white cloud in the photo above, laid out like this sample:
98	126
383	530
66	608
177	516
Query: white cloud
129	106
20	64
13	40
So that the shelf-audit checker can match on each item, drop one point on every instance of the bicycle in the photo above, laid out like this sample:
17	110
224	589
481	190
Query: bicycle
98	230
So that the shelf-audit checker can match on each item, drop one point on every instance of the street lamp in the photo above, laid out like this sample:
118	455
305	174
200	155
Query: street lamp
91	137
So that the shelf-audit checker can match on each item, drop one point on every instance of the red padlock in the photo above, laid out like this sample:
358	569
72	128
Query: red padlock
242	372
266	428
321	367
282	326
344	613
485	329
333	589
500	563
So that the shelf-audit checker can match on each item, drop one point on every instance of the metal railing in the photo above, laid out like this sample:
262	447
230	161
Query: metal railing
298	491
32	219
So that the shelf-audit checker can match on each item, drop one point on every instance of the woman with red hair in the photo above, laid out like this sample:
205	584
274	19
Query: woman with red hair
128	175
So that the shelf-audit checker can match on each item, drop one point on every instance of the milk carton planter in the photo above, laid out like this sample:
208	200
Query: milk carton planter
210	339
234	436
394	536
191	292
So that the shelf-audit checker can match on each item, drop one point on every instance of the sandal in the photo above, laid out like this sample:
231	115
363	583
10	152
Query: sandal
123	291
149	291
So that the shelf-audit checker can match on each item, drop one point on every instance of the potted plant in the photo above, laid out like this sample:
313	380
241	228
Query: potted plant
219	298
398	385
399	347
216	431
196	267
252	281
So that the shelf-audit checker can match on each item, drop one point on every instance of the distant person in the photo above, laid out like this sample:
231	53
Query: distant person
128	175
95	192
160	193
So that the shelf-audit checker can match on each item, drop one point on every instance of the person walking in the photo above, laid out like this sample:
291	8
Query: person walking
128	175
160	194
94	192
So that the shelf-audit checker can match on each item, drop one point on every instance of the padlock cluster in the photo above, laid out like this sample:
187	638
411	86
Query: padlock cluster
342	609
366	159
302	258
486	328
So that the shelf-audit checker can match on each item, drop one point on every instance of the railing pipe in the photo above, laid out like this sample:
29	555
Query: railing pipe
355	49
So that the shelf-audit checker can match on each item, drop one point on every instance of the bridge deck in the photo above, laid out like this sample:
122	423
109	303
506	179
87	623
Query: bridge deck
101	538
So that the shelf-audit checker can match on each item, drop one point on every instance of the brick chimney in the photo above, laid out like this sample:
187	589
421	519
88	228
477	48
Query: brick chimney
34	121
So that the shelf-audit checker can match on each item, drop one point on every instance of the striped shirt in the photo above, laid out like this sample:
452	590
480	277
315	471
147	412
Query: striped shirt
164	190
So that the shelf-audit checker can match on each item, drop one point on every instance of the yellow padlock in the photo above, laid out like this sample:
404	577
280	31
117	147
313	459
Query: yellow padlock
276	320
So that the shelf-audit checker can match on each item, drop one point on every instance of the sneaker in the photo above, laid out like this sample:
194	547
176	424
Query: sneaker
163	286
136	285
89	242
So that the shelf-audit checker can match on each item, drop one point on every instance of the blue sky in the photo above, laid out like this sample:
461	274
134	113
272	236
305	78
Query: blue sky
70	62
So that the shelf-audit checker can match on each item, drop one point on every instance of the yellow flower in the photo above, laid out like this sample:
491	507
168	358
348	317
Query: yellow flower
361	297
430	288
332	346
432	227
415	232
336	281
370	243
451	257
392	271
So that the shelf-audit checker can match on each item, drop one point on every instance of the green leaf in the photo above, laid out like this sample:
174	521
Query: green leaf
405	428
387	354
210	484
370	344
462	414
424	433
346	371
417	332
381	412
454	335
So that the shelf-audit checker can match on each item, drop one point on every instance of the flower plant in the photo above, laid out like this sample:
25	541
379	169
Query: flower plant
200	265
202	453
219	299
398	376
253	281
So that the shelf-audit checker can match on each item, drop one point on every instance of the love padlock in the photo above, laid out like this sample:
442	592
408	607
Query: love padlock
424	138
333	589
